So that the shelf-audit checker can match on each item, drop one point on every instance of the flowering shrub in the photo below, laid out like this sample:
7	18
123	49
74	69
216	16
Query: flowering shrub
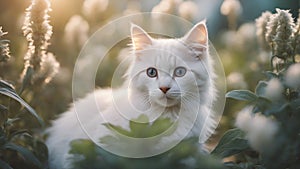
21	144
268	129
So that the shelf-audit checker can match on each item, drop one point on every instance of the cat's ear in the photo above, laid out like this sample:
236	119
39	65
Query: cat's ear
140	39
198	34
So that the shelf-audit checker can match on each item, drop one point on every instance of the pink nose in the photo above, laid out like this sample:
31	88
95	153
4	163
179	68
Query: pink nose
164	89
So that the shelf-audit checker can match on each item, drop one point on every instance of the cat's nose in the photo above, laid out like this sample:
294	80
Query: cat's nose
164	89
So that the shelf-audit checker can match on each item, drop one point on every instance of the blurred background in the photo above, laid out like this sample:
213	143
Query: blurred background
231	25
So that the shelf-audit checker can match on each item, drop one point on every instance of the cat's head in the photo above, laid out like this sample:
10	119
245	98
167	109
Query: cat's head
169	71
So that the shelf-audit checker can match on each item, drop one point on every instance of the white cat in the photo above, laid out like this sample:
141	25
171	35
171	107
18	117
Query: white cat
167	77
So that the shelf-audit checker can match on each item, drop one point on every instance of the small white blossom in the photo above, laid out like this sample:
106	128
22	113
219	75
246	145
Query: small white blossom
243	119
166	6
231	7
49	67
280	32
274	90
94	8
188	10
236	80
292	76
245	37
76	31
260	130
38	32
261	29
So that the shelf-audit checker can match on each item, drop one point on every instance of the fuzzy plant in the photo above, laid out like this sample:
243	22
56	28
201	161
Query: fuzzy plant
4	47
21	144
186	155
17	145
40	65
268	129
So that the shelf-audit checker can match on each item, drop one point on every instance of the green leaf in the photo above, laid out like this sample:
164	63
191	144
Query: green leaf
270	74
84	147
109	140
3	115
141	128
161	125
262	104
25	153
4	165
260	88
18	133
10	121
243	165
12	94
232	165
118	129
244	95
4	84
27	78
41	150
231	143
295	104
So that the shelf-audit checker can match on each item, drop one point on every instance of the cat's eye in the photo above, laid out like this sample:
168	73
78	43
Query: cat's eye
179	71
151	72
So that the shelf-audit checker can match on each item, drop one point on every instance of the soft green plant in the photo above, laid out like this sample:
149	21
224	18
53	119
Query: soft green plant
40	65
186	155
17	143
21	144
268	133
4	47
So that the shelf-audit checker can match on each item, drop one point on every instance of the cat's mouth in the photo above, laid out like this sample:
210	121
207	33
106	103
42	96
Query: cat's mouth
168	100
173	96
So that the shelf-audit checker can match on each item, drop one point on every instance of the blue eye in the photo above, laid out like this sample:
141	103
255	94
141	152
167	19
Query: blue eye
179	71
151	72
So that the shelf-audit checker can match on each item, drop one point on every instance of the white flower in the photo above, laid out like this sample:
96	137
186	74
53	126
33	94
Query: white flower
261	26
292	76
132	8
231	7
245	37
260	130
94	8
242	39
166	6
49	67
188	10
274	89
228	39
76	31
243	119
236	80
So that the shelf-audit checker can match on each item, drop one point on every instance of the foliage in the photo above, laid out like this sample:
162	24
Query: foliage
4	48
185	155
270	123
144	129
21	145
16	141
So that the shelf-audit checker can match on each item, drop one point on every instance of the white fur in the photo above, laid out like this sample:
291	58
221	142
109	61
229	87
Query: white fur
140	94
